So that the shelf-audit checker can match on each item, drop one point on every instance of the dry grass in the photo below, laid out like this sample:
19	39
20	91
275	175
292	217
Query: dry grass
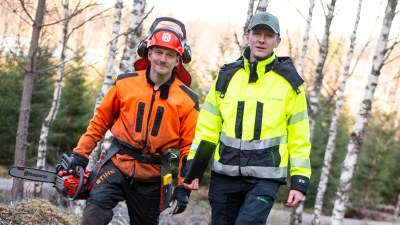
36	211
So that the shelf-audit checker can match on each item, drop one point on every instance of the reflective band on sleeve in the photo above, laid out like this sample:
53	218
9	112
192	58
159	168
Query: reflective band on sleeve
210	108
298	117
301	163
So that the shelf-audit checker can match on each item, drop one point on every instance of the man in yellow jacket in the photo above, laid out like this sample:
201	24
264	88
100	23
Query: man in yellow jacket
256	115
149	112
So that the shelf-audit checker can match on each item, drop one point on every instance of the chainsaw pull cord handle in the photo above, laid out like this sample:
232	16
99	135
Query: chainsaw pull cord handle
81	183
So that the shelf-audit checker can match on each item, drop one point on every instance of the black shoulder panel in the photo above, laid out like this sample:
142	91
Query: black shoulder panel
285	68
125	75
192	95
225	75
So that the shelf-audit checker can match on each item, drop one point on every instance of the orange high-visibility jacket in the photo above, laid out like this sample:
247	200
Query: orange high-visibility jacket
153	121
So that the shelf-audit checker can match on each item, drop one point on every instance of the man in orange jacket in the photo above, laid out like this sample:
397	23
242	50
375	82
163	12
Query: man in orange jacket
149	112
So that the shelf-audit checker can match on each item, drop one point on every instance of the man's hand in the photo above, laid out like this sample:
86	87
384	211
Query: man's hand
179	200
78	160
192	186
295	197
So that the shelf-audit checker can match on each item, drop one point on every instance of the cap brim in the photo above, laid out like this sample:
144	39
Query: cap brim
266	25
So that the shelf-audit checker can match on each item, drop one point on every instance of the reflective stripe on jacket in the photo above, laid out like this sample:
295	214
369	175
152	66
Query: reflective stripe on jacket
153	121
261	123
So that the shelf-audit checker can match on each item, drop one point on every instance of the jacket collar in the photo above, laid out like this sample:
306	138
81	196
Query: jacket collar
257	68
164	88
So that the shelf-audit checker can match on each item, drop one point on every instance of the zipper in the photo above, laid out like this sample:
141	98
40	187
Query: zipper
153	98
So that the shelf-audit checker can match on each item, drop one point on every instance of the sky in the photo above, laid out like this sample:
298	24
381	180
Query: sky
235	11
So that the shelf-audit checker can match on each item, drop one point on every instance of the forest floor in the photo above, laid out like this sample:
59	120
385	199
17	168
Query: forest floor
197	213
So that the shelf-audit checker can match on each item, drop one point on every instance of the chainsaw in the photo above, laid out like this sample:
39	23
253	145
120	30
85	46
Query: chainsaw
67	183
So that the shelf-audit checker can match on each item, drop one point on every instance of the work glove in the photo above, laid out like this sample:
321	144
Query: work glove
179	200
78	160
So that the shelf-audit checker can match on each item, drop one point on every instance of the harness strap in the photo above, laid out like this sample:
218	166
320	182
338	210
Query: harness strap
120	147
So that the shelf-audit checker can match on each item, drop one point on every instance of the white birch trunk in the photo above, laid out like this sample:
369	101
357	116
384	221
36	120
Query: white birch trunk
110	69
246	24
107	82
355	142
132	36
319	75
296	214
44	133
306	37
396	211
333	127
262	6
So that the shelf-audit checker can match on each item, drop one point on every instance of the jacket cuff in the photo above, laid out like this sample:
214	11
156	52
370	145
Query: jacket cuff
300	183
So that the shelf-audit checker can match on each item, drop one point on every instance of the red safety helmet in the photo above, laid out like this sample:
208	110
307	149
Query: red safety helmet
167	36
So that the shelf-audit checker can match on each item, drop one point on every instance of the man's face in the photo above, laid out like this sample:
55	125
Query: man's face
163	60
262	41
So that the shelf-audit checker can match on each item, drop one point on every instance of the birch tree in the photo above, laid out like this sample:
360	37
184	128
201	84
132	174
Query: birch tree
41	161
261	7
306	37
132	40
250	9
330	147
356	136
24	111
319	75
46	124
110	70
133	36
296	215
396	211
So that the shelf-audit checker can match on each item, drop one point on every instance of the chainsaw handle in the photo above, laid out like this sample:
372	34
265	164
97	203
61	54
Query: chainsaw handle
80	185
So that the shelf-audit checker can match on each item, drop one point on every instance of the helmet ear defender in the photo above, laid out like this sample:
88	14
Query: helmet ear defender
142	49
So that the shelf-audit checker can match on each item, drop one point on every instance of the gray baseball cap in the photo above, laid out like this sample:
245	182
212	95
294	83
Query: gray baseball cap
265	18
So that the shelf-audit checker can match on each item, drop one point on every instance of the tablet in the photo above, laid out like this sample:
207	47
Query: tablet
200	161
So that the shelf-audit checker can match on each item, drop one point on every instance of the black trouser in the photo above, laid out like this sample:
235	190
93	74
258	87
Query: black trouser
238	201
110	187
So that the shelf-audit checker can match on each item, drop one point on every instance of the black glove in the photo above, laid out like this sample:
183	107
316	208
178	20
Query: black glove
78	160
179	200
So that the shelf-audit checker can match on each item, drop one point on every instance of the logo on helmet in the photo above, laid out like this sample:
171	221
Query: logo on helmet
166	37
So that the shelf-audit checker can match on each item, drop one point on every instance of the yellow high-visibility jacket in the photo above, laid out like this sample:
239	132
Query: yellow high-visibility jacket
259	123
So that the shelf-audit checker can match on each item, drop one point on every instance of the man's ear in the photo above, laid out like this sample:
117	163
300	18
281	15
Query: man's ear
278	41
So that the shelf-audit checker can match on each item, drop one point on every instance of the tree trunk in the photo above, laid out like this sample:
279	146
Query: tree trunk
132	36
355	142
110	70
41	160
132	39
306	37
319	75
107	82
396	211
314	95
246	24
330	147
24	111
